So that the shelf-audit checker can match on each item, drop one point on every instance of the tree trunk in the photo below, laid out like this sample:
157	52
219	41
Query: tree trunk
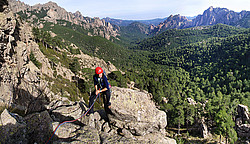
178	128
76	84
220	138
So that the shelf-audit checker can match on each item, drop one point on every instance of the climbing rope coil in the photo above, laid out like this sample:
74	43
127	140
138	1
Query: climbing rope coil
72	120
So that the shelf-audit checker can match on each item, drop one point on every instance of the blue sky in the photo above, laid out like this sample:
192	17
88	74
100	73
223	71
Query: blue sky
143	9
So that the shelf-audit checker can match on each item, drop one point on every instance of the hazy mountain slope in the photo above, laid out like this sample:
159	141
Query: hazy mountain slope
173	38
121	22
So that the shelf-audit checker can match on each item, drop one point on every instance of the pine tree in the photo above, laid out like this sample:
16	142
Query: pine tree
225	125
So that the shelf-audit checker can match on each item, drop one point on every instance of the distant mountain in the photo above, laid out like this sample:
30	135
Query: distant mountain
176	21
211	16
190	17
120	22
135	31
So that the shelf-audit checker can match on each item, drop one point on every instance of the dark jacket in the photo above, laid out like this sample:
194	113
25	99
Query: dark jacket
101	82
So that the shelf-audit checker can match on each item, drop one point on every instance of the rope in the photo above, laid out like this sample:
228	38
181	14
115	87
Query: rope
72	120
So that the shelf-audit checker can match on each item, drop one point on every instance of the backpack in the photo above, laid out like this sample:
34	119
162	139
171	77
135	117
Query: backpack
104	73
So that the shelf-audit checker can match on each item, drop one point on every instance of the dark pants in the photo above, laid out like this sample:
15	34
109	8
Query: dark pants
106	100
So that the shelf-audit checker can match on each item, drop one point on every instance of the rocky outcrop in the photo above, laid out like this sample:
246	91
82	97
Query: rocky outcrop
243	122
54	12
135	119
87	61
200	124
243	113
18	75
135	113
29	129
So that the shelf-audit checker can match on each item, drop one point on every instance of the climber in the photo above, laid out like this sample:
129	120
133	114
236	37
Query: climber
101	87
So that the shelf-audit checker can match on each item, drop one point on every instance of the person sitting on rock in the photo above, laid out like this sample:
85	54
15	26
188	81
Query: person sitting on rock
101	87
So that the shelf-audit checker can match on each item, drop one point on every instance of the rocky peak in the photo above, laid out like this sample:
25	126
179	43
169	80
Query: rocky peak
18	6
95	26
177	17
77	14
173	21
213	16
50	4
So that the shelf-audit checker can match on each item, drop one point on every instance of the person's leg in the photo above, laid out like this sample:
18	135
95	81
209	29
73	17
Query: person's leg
108	95
106	101
91	101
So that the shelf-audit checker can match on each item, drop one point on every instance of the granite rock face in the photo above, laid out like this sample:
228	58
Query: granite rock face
20	83
135	113
135	119
243	122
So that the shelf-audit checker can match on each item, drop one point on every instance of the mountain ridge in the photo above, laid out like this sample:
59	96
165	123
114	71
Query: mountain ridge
210	16
111	28
51	12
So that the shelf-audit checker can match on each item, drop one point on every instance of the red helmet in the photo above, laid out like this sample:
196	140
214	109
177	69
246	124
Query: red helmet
98	70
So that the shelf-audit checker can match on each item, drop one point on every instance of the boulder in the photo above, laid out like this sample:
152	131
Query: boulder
191	101
243	122
156	138
244	130
135	109
39	127
243	113
203	128
12	128
135	114
71	133
63	111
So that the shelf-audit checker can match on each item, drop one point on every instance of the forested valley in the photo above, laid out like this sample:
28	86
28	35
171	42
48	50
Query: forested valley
210	65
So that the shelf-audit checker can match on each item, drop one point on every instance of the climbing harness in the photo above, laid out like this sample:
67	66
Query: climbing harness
72	120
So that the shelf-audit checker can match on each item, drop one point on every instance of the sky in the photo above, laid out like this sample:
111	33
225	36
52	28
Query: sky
143	9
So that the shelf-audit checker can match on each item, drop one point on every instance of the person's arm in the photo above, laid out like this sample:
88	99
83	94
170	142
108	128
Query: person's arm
95	84
96	90
103	90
